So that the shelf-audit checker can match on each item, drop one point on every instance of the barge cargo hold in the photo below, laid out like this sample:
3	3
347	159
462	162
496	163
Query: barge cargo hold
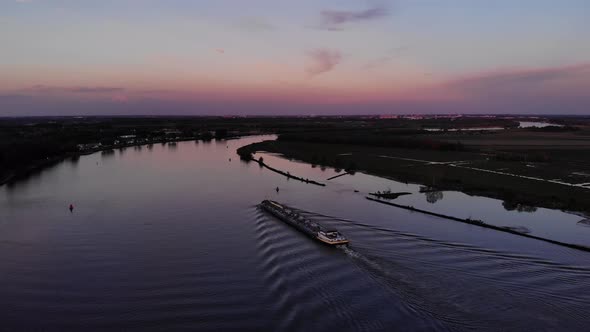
308	227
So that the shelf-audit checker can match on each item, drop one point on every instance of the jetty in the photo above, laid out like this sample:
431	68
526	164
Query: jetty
337	176
287	174
388	194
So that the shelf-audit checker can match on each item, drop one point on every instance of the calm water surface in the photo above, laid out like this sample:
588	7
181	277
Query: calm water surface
169	238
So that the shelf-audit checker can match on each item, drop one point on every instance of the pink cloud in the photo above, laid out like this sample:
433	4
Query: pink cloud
120	98
564	80
322	61
75	89
557	90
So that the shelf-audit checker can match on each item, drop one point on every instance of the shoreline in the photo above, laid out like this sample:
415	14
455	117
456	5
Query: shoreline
43	164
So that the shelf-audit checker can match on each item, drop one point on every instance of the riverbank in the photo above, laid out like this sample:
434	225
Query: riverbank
435	169
39	165
28	144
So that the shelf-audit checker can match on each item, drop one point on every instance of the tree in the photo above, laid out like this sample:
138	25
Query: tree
433	196
221	133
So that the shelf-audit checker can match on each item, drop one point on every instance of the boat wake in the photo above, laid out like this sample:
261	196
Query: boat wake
365	262
311	283
466	286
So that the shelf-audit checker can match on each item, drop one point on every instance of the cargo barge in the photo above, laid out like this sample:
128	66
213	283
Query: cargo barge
306	226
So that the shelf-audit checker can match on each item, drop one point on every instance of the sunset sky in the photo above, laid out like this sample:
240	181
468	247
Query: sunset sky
81	57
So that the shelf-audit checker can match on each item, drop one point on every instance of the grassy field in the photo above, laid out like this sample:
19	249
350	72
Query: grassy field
488	164
563	156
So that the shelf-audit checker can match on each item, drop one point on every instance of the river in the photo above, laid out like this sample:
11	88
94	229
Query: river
169	237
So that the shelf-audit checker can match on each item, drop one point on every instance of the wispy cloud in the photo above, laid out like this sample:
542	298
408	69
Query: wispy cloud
387	58
556	90
120	98
335	19
322	60
532	80
75	89
11	96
